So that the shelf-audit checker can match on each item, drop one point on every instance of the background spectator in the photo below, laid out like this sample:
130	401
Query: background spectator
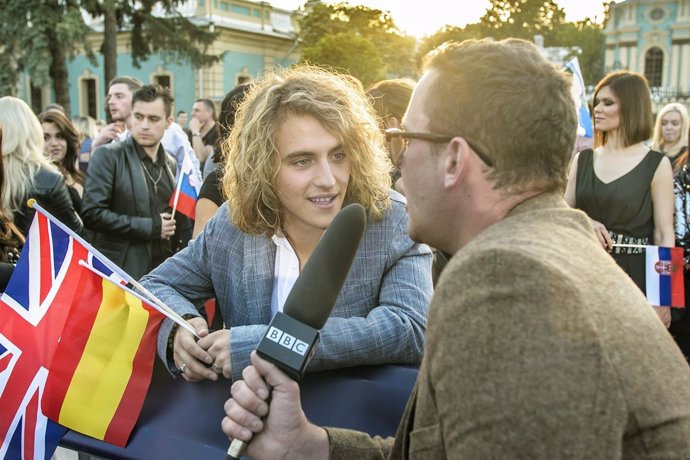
624	187
11	240
670	133
211	196
28	172
62	146
86	127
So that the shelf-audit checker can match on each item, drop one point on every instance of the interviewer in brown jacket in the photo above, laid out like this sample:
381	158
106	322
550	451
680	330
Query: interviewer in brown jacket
538	346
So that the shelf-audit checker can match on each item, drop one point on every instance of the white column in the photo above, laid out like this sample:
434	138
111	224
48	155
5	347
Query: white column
684	64
674	66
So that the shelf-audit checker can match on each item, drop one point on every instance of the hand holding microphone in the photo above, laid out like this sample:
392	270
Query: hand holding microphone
293	335
285	429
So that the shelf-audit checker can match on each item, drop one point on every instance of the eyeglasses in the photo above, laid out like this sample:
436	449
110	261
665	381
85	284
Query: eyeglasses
398	139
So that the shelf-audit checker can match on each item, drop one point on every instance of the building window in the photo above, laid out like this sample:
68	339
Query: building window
201	3
224	6
90	103
653	67
243	10
163	80
683	8
657	14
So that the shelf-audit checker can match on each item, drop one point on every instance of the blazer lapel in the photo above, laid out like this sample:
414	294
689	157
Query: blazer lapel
257	278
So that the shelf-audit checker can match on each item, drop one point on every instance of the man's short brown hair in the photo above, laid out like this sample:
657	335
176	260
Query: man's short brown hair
508	100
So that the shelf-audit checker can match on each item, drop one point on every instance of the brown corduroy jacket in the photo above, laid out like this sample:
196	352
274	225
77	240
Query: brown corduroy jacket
538	346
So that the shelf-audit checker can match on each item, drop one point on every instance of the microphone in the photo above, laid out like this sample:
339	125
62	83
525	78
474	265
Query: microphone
293	335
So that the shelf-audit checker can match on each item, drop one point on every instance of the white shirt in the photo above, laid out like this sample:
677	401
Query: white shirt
285	272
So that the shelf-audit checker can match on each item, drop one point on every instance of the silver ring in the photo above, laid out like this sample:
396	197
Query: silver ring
217	369
183	366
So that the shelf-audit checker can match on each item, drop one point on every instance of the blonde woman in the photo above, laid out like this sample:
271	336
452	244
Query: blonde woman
28	172
669	133
624	187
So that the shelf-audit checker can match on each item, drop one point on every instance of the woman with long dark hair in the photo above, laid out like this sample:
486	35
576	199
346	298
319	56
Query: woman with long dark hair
62	146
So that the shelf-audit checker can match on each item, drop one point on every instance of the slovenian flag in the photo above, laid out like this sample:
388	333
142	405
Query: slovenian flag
187	189
665	285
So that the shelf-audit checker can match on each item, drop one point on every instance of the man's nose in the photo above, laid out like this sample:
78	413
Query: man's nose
325	176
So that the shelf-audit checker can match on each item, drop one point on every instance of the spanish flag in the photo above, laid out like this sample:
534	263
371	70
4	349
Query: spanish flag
102	368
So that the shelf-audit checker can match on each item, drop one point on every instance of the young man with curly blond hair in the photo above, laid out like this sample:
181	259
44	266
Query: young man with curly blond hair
305	143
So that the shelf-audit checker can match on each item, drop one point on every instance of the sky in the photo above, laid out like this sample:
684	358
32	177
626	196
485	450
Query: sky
420	18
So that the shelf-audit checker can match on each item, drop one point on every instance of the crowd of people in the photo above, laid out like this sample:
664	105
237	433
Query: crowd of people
511	270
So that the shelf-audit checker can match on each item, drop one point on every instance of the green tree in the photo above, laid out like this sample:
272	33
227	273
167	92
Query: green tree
362	41
347	53
522	18
39	39
172	35
527	18
589	38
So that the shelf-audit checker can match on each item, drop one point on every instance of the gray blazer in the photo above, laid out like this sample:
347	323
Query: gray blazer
379	317
539	346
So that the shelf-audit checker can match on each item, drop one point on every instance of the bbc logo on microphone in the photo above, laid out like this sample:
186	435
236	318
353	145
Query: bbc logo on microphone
286	340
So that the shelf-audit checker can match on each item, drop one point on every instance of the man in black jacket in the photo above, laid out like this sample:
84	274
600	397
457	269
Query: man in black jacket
128	187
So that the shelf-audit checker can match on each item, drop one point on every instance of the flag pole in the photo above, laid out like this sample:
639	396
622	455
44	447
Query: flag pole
621	245
167	311
177	192
107	262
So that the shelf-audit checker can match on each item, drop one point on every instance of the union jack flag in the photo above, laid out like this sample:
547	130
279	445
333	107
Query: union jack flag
29	334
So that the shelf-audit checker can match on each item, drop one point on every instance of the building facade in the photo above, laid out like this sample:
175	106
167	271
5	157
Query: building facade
253	37
652	37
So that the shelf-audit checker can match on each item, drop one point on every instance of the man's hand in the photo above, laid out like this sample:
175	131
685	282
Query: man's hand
194	126
107	134
285	432
189	356
167	226
218	345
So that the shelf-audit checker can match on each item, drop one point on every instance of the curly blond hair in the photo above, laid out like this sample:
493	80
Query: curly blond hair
252	158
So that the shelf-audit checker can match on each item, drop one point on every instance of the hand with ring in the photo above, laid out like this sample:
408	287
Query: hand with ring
194	360
217	344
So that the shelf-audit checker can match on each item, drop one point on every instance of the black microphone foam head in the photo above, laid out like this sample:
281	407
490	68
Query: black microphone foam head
313	295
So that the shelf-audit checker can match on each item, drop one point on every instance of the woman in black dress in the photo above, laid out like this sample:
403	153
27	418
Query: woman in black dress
624	187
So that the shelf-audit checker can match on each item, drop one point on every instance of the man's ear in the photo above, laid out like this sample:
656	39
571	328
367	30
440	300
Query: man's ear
169	122
393	122
455	162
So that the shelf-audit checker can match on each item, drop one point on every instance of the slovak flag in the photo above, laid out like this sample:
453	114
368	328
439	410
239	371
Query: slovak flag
187	189
665	286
